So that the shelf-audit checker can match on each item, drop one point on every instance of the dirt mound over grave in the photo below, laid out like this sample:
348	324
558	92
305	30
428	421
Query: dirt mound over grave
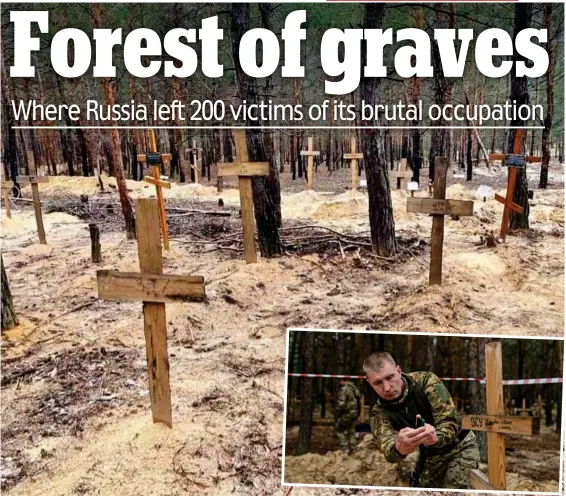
366	467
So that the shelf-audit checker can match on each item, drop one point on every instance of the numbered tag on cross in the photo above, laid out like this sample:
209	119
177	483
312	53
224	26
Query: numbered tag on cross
354	156
513	161
34	180
310	153
496	424
245	170
154	289
438	207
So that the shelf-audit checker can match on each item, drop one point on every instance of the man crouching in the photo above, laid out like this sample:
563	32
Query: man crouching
415	411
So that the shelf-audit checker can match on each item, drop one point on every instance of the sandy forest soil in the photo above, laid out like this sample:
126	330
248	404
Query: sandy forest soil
533	463
75	410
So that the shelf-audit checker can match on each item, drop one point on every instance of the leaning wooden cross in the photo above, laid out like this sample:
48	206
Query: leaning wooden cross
402	173
438	207
6	187
310	153
154	158
34	180
245	170
354	156
496	424
154	289
513	162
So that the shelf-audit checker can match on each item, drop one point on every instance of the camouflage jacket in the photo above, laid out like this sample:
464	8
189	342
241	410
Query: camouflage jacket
447	421
348	400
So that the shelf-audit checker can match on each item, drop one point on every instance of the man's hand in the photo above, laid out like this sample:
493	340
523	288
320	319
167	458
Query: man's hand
408	440
432	438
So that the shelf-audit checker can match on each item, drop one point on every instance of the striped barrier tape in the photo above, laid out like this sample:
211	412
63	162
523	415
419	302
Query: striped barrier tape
510	382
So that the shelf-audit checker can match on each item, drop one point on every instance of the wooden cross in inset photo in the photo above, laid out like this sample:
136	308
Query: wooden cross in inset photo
513	162
154	289
402	173
438	207
354	156
496	424
245	170
310	153
34	180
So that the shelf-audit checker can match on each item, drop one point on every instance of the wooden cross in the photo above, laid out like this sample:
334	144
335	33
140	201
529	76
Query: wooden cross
512	161
194	165
310	153
245	170
438	207
159	183
153	157
6	187
354	156
402	173
496	424
154	289
34	180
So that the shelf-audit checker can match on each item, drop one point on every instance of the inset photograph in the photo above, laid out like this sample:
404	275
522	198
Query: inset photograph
392	410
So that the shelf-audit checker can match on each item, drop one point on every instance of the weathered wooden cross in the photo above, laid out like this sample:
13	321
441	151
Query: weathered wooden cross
354	156
402	173
154	289
512	161
245	170
34	180
154	159
496	424
195	165
6	187
310	153
159	183
438	207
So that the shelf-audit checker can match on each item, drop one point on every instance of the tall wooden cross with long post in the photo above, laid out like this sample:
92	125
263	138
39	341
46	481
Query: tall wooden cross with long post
154	289
155	159
310	153
354	156
438	207
34	180
245	170
496	424
513	162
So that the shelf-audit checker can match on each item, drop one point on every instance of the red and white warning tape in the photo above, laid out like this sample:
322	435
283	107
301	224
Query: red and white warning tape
511	382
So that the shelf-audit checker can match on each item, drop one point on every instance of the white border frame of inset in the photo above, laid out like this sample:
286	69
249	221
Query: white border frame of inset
402	488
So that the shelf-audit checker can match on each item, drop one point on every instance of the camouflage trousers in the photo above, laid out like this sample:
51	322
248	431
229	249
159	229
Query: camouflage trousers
346	433
452	471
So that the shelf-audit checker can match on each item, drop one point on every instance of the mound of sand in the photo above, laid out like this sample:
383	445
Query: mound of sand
366	467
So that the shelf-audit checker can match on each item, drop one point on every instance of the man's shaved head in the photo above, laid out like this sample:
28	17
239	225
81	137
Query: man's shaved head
376	361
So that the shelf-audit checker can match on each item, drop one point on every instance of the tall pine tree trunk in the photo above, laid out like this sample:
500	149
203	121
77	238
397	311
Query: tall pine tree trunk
476	391
549	80
266	190
381	220
520	93
9	319
116	146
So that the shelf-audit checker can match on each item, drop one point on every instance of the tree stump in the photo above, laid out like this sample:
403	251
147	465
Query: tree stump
95	243
9	320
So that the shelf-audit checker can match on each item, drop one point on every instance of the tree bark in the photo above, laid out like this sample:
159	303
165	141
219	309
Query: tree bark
266	190
476	391
305	425
381	220
519	92
116	146
9	319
